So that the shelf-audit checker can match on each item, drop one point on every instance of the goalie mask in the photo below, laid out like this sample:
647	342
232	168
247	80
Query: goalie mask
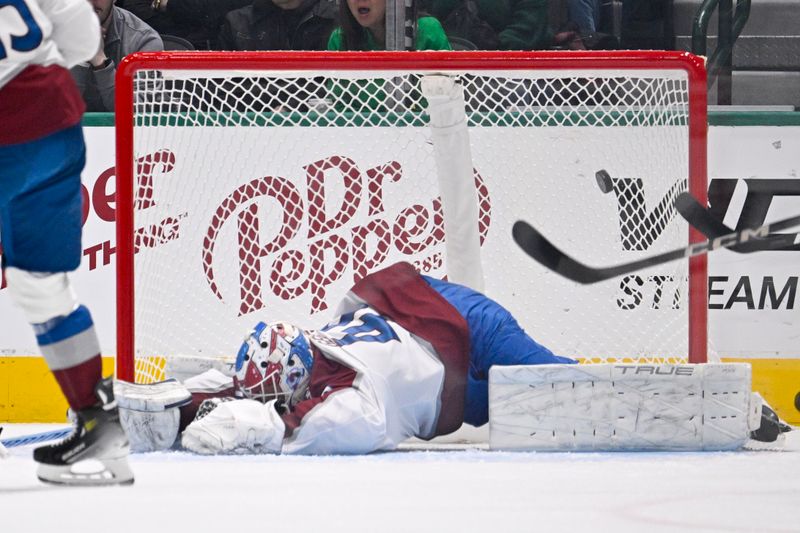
274	362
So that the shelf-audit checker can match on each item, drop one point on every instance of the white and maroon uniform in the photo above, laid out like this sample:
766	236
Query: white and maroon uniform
393	366
42	154
39	41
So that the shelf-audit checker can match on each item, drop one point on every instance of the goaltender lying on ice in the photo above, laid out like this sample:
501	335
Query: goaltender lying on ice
410	356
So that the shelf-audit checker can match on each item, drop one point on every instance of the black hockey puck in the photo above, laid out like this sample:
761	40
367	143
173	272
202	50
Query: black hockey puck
604	181
797	401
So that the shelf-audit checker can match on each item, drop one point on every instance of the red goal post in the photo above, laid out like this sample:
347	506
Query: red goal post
214	127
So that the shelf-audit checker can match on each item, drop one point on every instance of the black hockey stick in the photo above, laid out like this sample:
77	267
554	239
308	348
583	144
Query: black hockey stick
699	217
542	250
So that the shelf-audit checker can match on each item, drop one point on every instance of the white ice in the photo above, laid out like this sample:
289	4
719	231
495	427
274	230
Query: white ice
459	488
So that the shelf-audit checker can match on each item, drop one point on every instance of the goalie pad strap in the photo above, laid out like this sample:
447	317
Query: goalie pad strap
611	407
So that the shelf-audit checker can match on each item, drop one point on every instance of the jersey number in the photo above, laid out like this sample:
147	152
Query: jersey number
367	327
29	41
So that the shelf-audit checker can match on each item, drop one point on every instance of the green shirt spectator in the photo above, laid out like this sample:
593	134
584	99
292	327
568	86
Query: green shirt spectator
430	36
520	24
363	27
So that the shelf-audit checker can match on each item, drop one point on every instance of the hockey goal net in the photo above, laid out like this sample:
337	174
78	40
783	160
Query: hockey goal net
259	186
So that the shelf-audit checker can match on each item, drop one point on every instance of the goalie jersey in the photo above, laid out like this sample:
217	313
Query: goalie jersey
407	356
393	366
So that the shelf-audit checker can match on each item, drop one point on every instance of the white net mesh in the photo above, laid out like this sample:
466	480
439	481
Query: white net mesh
263	195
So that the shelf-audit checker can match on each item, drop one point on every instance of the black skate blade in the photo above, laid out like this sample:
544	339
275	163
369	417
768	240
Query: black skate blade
88	473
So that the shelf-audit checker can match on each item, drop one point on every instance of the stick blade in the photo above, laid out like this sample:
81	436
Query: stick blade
546	253
697	215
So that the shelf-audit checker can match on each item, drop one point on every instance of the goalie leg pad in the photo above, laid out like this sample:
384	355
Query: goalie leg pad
151	397
614	407
149	413
150	431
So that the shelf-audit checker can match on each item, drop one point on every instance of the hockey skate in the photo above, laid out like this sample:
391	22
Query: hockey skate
97	451
772	429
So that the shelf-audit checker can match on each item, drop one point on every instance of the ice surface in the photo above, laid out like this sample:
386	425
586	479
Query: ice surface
459	488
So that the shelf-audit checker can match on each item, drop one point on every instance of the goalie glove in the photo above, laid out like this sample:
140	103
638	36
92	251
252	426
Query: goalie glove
209	405
238	426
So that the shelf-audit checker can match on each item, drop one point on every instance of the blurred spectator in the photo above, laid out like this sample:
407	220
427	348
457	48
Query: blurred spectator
279	25
123	34
363	27
276	25
644	24
197	21
582	31
519	24
585	14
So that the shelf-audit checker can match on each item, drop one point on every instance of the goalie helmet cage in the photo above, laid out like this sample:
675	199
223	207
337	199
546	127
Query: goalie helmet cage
259	185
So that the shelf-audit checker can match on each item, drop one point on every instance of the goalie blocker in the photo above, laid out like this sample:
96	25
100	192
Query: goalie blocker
617	407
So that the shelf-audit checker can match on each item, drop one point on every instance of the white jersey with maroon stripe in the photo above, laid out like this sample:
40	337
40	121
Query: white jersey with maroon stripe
392	366
374	385
46	32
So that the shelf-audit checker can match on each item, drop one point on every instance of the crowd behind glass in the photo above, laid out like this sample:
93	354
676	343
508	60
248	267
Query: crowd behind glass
151	25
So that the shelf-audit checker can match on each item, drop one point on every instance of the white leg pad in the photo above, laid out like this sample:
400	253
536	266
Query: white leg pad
41	296
612	407
151	397
150	431
149	413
